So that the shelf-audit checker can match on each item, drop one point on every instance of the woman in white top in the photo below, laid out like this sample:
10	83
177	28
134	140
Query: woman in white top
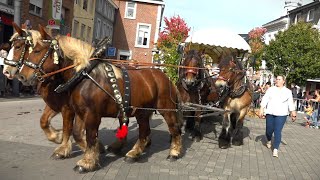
275	107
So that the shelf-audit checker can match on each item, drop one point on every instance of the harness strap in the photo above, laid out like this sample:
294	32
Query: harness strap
127	92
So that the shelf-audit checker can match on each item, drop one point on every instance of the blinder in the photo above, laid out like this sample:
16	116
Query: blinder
28	41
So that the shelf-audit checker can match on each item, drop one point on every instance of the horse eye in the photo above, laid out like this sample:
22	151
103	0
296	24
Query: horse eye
36	51
17	47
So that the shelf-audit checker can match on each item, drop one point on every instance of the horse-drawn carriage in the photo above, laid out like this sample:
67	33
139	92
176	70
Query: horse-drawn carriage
228	93
64	60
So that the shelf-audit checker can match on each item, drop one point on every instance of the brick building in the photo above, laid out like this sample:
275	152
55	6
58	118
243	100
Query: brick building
136	28
34	12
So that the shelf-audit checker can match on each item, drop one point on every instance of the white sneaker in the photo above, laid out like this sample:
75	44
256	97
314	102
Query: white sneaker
275	153
268	144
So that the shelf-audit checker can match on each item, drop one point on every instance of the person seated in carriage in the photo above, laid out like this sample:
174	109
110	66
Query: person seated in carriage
213	70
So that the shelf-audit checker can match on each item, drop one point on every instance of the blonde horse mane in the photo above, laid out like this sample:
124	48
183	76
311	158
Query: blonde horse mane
75	50
36	36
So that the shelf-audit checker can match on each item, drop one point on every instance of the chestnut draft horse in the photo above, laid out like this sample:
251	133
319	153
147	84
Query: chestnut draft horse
150	88
195	85
238	98
23	43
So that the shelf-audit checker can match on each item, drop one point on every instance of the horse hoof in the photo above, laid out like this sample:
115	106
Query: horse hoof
237	143
130	160
80	169
197	138
56	156
172	158
116	151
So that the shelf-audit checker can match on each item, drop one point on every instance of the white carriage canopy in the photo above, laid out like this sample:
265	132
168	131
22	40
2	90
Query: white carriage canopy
216	42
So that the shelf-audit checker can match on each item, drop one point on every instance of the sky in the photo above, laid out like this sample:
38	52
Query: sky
239	16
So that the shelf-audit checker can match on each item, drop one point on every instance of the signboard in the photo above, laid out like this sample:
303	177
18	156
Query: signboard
111	51
55	14
51	22
56	9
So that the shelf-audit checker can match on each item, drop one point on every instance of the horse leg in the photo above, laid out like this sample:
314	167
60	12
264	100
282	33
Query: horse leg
174	125
237	139
51	133
143	119
189	123
63	151
197	135
225	135
78	135
118	144
90	160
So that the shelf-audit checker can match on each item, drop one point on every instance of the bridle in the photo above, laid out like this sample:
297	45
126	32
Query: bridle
39	72
28	42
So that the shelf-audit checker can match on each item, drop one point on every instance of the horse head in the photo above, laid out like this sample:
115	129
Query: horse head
22	44
230	69
191	74
39	60
51	54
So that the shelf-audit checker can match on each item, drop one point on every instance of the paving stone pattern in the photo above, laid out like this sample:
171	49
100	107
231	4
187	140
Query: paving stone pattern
25	152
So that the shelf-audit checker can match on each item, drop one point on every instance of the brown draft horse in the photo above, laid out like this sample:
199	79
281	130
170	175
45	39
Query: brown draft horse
195	85
22	40
150	88
237	102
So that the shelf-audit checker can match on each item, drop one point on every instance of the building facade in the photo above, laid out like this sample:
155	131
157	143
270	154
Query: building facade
104	20
34	12
308	13
137	28
83	19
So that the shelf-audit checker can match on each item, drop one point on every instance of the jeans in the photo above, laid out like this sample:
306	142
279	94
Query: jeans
274	124
315	116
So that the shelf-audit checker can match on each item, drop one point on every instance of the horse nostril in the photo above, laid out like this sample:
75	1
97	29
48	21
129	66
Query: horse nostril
21	77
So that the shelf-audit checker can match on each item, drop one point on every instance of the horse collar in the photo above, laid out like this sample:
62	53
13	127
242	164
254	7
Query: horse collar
238	92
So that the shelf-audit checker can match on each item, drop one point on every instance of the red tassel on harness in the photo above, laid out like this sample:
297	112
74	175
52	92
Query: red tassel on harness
122	132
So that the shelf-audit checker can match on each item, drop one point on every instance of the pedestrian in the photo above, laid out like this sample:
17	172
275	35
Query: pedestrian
4	49
275	107
315	114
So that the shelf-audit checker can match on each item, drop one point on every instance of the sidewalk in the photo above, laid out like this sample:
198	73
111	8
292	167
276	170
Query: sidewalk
25	152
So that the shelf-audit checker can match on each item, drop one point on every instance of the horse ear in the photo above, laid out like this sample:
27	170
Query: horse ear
43	32
17	28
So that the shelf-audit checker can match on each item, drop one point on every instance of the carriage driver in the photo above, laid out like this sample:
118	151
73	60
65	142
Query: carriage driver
213	70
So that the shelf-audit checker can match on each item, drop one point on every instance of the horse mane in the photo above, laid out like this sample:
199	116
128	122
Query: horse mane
76	50
36	36
225	60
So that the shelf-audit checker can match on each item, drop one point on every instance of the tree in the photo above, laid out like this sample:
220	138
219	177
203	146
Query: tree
175	32
256	42
295	53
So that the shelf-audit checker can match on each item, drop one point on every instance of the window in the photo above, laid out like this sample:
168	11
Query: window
85	5
297	19
88	33
10	2
310	15
104	30
100	6
131	10
76	1
98	29
35	7
143	35
75	28
83	27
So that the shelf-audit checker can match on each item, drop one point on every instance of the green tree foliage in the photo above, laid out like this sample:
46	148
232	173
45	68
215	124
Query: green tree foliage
295	53
175	32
